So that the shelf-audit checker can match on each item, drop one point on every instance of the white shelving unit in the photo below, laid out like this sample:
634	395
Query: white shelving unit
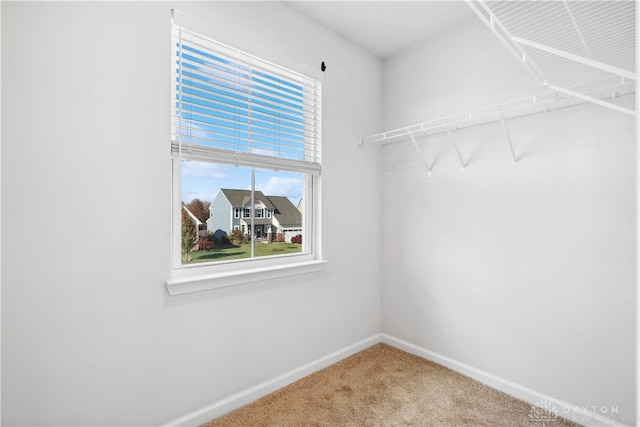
581	51
566	44
540	103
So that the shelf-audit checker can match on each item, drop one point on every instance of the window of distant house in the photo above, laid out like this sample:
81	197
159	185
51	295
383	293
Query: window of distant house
246	156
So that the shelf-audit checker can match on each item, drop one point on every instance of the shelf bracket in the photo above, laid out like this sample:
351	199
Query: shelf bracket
453	141
577	28
506	135
593	100
484	12
415	145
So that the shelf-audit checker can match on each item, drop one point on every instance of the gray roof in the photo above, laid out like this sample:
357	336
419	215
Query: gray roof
239	198
286	213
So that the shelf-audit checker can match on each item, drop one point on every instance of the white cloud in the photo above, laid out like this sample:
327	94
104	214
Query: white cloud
204	170
279	186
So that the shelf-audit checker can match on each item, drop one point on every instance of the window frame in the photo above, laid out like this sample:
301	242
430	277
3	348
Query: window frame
186	278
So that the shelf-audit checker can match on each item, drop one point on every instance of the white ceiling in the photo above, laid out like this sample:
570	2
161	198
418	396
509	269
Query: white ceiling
384	27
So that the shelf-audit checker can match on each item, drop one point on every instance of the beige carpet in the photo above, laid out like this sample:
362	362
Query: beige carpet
384	386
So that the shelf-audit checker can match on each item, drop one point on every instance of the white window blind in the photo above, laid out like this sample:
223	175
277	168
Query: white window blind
234	108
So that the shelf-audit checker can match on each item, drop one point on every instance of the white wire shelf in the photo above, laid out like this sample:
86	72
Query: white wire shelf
565	44
581	51
609	88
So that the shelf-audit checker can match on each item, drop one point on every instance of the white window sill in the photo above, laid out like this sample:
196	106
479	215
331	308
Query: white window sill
205	282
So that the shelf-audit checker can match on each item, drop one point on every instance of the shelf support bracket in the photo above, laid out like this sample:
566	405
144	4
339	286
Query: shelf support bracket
506	135
577	28
453	141
415	145
488	17
593	100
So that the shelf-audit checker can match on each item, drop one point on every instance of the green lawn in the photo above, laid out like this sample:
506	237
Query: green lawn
223	253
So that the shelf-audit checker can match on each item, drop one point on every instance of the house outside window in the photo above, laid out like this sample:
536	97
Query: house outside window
286	221
245	123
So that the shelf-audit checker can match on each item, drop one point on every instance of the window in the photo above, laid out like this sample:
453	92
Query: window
246	139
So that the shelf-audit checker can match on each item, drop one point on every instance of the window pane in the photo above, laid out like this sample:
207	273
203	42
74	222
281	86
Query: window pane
217	240
281	195
217	222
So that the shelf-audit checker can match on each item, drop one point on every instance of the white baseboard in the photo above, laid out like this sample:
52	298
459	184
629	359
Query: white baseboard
242	398
575	413
566	410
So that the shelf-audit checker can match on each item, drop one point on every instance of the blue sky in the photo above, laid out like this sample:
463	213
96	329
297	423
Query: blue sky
229	105
203	180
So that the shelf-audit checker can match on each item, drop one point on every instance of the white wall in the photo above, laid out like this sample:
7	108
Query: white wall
89	335
527	274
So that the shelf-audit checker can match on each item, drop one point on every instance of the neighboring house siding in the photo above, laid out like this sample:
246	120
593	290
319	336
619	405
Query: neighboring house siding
284	233
280	220
221	214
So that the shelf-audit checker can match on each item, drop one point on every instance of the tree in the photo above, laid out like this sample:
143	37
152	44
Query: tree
200	209
189	234
237	237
